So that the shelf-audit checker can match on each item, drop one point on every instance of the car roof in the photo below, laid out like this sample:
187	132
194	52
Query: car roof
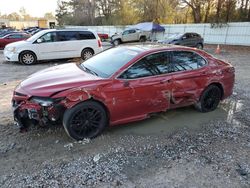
151	47
68	29
71	29
147	48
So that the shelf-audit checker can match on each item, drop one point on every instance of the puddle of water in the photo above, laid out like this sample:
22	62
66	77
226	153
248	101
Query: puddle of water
173	120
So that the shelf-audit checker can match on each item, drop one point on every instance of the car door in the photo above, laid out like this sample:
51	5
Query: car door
143	88
193	40
48	47
129	35
186	40
70	43
189	77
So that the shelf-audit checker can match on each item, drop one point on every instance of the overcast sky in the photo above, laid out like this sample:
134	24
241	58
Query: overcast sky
33	7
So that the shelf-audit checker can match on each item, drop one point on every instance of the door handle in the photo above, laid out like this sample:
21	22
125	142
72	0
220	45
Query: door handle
203	73
126	84
165	81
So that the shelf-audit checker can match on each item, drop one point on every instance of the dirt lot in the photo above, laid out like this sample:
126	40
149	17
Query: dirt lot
179	148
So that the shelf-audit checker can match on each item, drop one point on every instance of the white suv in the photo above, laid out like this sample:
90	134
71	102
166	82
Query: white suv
54	44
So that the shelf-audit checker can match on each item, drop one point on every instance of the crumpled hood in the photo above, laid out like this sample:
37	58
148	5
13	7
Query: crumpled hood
55	79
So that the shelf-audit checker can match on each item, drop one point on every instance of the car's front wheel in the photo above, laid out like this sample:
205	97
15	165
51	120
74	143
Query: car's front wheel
27	58
209	99
116	42
85	120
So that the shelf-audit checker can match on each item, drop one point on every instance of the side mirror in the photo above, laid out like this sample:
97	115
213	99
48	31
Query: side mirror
39	40
184	37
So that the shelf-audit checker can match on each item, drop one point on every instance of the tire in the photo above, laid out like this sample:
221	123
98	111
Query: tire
209	99
86	54
142	39
27	58
85	120
199	46
117	42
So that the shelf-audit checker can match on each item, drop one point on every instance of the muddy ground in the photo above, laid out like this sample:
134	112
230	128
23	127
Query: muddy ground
179	148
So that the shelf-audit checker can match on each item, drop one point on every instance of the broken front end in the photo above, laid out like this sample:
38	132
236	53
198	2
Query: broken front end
42	111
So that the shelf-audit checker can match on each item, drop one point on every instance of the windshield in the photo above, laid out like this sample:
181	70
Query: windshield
175	36
36	36
108	62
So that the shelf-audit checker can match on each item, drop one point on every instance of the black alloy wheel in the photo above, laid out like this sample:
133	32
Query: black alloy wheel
209	99
85	120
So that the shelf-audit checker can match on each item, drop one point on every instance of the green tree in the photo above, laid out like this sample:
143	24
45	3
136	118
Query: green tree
49	16
62	13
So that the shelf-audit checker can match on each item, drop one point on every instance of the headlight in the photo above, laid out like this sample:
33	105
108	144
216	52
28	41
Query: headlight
11	49
45	101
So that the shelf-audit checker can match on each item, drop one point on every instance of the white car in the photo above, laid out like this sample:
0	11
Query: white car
54	44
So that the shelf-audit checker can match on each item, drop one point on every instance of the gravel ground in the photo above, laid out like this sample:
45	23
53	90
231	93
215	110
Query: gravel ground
179	148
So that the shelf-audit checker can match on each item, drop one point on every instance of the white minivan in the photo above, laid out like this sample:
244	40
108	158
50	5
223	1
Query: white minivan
54	44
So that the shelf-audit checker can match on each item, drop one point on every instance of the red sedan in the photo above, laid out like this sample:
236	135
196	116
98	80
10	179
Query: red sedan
13	37
121	85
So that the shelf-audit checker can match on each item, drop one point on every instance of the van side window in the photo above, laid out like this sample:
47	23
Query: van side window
67	35
86	35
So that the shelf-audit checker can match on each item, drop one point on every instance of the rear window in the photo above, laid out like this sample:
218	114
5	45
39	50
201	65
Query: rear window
85	35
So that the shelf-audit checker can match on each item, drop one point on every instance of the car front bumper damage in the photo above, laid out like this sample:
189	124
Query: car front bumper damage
27	113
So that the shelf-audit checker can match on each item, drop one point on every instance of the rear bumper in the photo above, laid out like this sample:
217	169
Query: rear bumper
98	50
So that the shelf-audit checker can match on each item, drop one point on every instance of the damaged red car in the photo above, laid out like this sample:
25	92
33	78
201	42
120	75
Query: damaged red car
121	85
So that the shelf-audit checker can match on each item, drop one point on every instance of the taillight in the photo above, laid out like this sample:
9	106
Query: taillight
99	43
231	70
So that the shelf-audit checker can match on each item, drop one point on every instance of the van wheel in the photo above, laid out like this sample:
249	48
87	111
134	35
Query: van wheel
86	54
209	99
85	120
27	58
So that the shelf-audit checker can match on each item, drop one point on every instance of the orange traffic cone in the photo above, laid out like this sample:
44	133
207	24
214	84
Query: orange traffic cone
217	51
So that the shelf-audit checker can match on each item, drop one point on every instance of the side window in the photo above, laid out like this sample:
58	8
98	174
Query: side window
15	36
66	35
49	37
125	32
132	31
25	36
161	61
148	66
85	35
185	60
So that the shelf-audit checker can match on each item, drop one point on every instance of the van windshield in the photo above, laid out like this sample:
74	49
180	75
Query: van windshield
108	62
36	36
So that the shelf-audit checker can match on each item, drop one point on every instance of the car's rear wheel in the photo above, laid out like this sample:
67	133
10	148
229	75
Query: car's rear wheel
209	99
85	120
116	42
27	58
86	54
199	46
143	39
